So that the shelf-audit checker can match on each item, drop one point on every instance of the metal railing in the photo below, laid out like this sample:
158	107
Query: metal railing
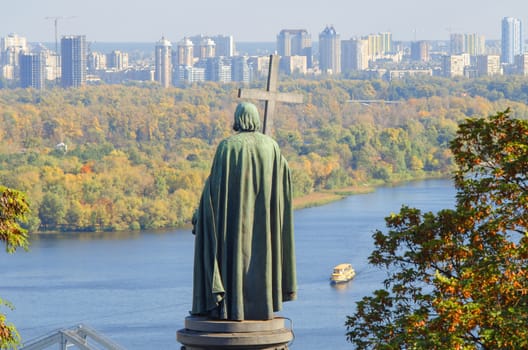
80	336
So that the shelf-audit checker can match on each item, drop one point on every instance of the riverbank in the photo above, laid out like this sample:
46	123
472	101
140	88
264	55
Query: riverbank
323	197
314	199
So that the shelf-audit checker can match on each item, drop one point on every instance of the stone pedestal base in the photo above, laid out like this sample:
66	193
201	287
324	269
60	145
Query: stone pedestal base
201	333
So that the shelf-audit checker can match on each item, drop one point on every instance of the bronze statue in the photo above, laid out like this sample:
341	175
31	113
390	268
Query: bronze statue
244	260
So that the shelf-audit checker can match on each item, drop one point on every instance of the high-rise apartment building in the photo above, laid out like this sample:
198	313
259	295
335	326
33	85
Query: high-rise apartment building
284	42
117	60
207	48
475	44
185	52
379	45
374	46
521	61
196	42
420	51
73	60
32	70
96	61
218	69
453	65
456	43
163	64
240	69
10	48
330	51
472	43
51	62
512	40
295	42
293	65
354	55
386	42
225	45
187	74
488	65
259	66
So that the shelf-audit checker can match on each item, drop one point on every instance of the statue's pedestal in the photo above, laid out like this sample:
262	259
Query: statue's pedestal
201	333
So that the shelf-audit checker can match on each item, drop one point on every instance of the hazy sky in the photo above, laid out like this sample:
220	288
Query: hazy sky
246	20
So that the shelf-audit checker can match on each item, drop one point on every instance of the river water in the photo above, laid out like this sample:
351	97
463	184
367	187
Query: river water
136	287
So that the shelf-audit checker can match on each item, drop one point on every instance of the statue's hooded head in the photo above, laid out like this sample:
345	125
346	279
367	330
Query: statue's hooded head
246	117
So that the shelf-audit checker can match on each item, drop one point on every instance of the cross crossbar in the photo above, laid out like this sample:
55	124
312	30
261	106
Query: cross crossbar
270	95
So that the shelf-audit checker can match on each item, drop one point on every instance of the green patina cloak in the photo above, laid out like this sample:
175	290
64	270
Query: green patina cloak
244	264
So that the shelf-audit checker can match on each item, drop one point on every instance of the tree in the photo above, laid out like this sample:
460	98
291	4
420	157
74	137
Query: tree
457	279
52	210
13	207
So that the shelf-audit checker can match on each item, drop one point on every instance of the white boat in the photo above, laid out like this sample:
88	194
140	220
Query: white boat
342	273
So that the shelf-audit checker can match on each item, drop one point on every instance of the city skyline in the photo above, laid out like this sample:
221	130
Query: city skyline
120	21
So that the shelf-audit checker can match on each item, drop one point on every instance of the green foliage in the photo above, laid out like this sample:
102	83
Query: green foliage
115	157
13	208
9	337
457	279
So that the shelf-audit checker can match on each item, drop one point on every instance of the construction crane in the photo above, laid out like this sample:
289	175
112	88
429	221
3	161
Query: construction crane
56	23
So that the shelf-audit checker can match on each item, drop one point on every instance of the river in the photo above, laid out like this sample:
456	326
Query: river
135	287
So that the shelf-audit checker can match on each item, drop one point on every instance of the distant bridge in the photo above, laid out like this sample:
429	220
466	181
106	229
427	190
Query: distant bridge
81	336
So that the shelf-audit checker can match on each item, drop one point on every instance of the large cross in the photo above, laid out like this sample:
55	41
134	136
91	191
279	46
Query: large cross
270	95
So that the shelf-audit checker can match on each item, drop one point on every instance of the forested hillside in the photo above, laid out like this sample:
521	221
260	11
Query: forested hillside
128	157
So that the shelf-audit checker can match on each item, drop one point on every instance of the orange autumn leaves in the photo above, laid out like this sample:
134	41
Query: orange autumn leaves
457	279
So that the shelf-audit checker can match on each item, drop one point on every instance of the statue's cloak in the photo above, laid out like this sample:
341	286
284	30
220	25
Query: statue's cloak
244	263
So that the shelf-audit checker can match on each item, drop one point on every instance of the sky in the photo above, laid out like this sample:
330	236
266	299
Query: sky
254	21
